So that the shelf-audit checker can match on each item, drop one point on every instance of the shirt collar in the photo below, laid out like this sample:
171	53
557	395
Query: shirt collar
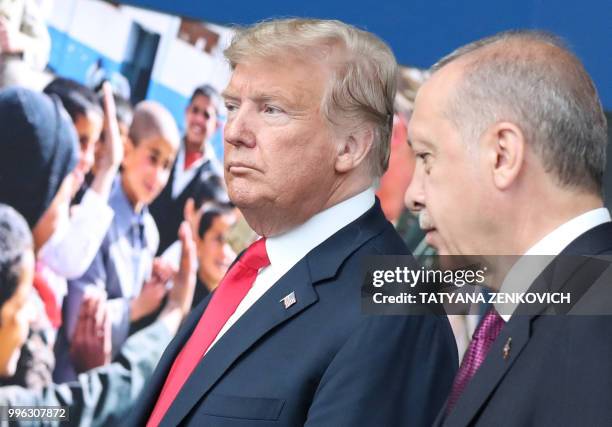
125	215
180	156
528	267
286	249
562	236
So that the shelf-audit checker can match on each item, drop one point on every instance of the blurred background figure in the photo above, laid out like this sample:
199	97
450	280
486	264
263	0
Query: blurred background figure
394	183
39	152
24	43
124	266
84	109
195	164
100	396
215	254
17	310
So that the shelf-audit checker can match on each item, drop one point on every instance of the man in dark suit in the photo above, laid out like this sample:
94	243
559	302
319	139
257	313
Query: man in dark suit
516	119
309	120
195	169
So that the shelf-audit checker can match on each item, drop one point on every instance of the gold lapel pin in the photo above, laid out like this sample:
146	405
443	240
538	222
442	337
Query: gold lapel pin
506	349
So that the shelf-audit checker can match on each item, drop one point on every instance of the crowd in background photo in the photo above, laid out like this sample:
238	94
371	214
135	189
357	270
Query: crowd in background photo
115	222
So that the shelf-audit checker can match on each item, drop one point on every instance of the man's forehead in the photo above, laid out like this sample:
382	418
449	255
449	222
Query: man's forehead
294	83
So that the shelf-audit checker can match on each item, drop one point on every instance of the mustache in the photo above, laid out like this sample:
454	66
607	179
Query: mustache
425	220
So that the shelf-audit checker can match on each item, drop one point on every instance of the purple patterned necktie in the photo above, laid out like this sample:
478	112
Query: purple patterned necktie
483	337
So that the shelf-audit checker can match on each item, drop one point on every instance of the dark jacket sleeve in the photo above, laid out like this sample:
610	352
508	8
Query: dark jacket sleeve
104	395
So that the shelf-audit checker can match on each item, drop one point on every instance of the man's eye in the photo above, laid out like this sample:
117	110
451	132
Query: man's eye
230	107
270	109
423	156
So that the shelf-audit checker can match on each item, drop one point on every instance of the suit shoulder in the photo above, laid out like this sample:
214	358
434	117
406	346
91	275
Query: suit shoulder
386	242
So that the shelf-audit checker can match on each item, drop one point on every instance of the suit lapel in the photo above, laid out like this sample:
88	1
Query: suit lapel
492	371
560	274
262	317
269	312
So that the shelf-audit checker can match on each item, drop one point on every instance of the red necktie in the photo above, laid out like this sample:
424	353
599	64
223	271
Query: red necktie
232	289
484	336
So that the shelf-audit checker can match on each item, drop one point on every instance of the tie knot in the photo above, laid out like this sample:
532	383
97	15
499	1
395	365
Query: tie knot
255	256
490	326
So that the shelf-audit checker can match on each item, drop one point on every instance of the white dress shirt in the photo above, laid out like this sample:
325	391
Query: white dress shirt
528	268
287	249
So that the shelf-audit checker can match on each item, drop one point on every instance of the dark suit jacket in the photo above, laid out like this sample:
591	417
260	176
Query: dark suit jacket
168	211
558	371
320	362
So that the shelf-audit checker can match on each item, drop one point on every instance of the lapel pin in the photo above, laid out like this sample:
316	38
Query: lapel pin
506	349
289	300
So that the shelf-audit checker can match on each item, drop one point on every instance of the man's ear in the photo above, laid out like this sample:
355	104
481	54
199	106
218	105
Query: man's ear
505	144
353	148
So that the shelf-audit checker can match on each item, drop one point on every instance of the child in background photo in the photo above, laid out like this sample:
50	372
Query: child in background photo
73	246
124	267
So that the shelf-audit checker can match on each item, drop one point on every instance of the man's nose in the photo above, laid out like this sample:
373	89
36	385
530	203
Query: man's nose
415	196
239	129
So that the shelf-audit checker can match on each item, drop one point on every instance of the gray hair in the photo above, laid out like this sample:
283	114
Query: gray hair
362	87
532	79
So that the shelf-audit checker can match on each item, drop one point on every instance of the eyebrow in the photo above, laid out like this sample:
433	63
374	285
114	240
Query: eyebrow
228	95
425	143
259	97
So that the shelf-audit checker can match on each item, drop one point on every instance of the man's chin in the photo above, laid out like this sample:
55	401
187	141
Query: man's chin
196	140
242	196
433	239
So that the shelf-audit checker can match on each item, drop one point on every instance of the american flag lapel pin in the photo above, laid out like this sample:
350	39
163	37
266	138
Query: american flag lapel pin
289	300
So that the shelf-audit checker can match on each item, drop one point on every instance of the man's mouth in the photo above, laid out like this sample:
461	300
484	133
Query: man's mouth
427	225
239	167
425	221
197	129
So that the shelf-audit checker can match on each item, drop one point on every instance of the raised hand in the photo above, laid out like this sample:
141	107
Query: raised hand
91	344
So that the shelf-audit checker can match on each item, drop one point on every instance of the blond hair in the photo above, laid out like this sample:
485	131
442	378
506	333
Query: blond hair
364	71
